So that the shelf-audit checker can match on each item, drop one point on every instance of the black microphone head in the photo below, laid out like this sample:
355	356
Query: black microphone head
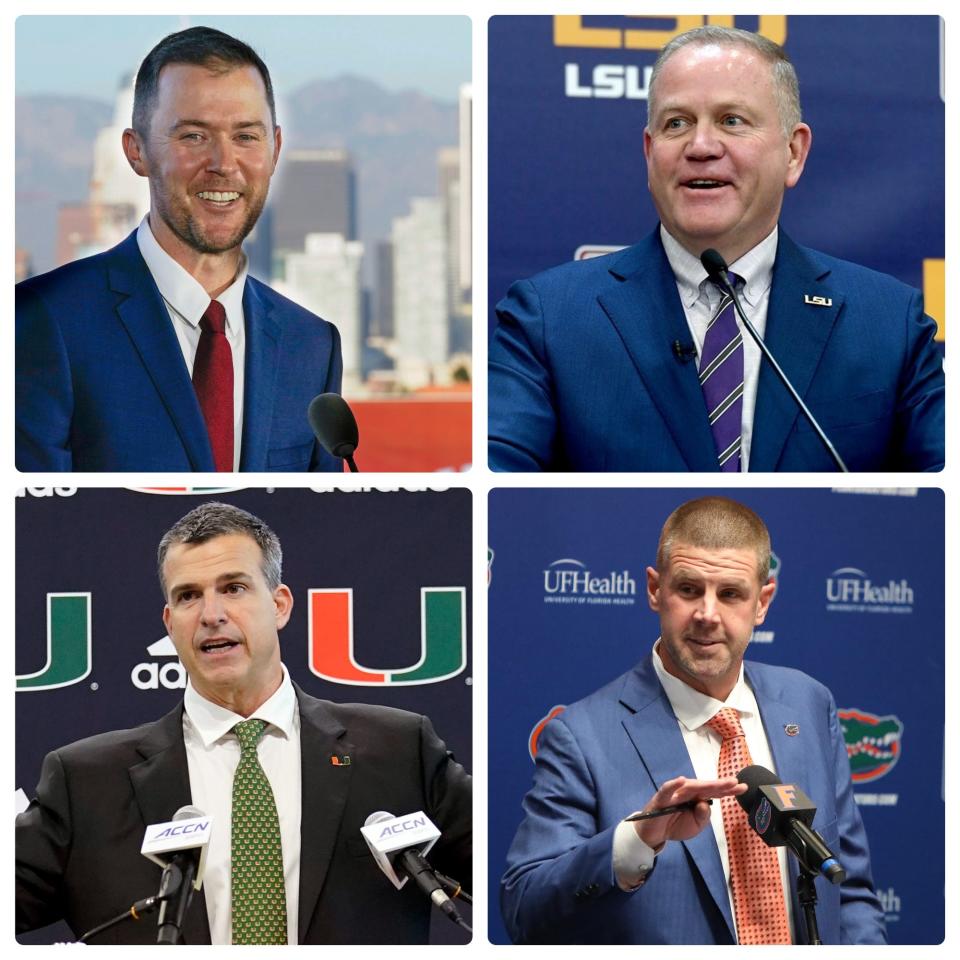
754	777
713	262
333	424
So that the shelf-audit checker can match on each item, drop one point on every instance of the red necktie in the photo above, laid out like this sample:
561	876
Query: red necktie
758	904
213	383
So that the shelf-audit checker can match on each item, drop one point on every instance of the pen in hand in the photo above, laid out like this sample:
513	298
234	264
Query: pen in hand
665	811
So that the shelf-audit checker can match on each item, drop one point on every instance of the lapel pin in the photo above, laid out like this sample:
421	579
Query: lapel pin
343	761
817	301
791	729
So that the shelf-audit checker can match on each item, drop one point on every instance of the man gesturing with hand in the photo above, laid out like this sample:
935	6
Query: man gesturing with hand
676	729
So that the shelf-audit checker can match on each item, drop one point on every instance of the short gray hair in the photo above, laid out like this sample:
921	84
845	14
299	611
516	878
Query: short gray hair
786	87
214	519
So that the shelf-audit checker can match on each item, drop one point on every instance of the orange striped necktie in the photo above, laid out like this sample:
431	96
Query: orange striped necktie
758	905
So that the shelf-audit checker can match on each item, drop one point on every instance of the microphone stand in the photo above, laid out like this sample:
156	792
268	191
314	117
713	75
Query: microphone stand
807	895
140	909
721	279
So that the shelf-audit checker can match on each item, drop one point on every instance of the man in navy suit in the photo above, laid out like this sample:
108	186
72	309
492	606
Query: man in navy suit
598	365
578	871
162	354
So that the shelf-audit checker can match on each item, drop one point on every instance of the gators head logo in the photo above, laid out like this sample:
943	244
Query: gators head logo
873	743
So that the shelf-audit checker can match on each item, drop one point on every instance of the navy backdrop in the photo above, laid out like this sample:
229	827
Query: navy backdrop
568	107
879	649
386	547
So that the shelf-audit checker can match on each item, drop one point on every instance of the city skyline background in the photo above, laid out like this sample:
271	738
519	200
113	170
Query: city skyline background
368	220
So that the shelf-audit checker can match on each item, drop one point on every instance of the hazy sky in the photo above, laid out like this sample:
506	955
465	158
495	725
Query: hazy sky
92	53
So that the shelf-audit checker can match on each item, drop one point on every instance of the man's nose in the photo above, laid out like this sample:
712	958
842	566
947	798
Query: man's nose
704	143
222	157
213	611
708	610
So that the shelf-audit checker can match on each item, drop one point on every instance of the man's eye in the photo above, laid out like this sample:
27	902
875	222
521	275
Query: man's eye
236	588
675	123
733	121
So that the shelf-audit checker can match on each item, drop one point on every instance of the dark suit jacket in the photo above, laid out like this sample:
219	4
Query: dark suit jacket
78	843
583	374
101	382
606	755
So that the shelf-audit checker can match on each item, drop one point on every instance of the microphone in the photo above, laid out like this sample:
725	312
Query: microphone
180	847
335	426
399	844
684	352
782	814
716	268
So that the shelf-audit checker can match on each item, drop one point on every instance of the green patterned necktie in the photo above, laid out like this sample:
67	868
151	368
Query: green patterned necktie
256	875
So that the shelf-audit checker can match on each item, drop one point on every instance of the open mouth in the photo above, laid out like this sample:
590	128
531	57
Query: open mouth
705	184
218	646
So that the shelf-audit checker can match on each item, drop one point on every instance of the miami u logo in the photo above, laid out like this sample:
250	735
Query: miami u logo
68	643
443	639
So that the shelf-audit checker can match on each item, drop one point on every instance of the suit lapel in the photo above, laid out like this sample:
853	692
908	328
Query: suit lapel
655	733
161	785
321	739
646	311
260	378
796	333
143	314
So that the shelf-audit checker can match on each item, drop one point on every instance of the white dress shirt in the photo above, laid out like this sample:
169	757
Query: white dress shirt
213	752
186	302
701	298
693	710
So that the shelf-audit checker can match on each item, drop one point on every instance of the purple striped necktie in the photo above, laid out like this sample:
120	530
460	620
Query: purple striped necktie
721	378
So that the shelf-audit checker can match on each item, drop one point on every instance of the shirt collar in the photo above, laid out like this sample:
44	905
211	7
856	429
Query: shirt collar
691	707
755	267
181	291
211	721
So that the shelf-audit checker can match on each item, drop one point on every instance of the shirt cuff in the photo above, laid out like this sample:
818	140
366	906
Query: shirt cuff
632	858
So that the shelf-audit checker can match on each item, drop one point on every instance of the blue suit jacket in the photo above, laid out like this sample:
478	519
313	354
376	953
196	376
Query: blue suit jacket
606	755
101	382
583	374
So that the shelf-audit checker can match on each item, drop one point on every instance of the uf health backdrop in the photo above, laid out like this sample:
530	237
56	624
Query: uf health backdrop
859	606
567	177
389	571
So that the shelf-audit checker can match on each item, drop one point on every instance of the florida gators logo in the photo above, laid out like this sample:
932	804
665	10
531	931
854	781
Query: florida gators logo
538	728
873	743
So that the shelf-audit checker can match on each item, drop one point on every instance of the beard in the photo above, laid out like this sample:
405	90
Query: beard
189	229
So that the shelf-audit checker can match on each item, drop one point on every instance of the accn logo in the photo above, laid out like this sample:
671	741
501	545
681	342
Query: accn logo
443	639
69	648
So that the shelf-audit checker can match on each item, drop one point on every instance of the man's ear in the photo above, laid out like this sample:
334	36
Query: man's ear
653	589
135	152
283	601
766	596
